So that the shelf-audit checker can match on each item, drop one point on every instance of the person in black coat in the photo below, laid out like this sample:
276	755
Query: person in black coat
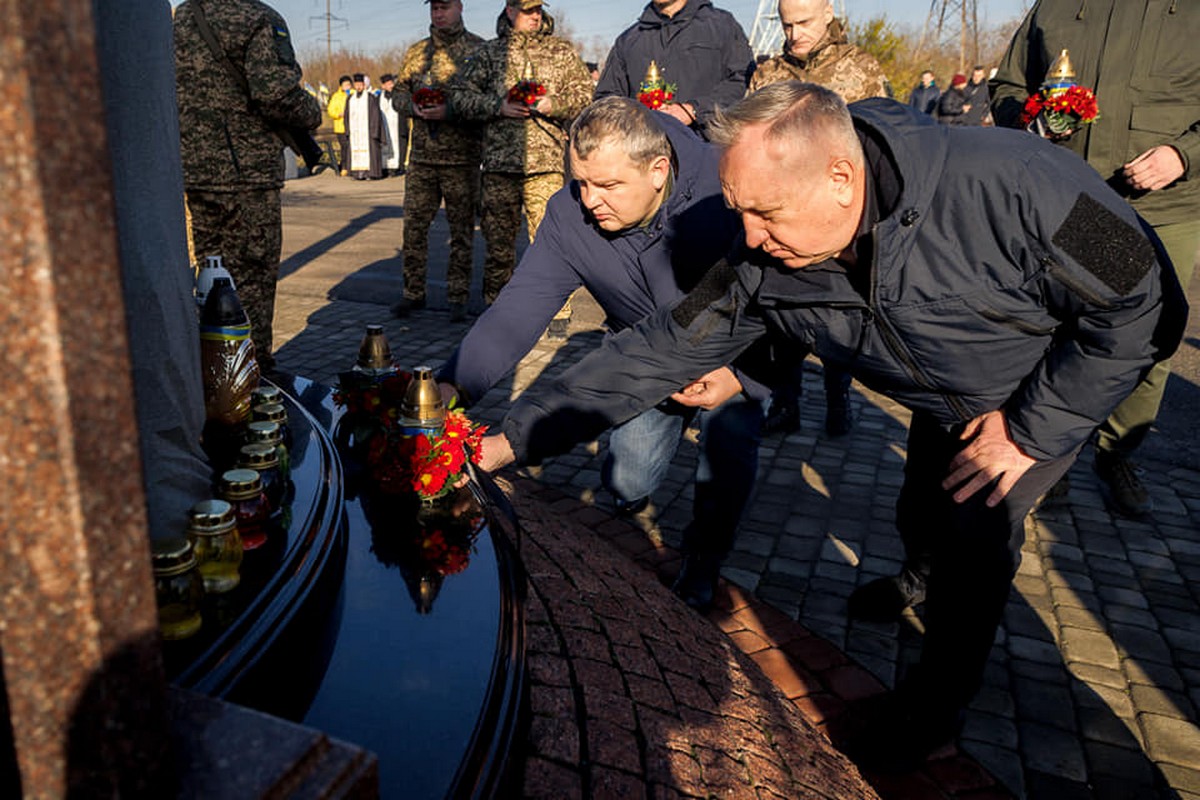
1010	302
977	100
952	105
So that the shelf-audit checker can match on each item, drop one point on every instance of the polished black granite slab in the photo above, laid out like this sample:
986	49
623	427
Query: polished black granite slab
339	627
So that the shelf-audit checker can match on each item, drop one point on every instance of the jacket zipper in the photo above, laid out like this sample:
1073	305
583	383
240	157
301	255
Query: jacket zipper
892	341
237	168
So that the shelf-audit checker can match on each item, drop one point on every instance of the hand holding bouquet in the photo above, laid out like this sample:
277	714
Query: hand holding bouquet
527	92
426	97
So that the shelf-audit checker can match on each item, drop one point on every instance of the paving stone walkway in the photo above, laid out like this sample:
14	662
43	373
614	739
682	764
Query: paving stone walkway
1093	686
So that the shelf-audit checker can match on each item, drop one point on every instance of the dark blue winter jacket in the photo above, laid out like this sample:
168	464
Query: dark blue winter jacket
925	98
631	273
1020	282
702	50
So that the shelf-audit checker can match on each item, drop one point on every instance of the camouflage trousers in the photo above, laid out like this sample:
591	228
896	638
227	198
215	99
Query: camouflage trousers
425	187
246	229
504	194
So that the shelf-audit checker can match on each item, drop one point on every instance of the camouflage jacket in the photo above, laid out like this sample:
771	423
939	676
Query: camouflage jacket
226	137
834	63
523	146
435	62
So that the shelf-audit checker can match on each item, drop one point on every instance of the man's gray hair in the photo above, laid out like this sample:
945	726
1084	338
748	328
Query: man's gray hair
793	112
622	119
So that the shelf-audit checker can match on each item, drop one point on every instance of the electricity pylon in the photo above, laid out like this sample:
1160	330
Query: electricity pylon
952	23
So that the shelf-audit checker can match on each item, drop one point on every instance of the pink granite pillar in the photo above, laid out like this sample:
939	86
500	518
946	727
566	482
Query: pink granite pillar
80	657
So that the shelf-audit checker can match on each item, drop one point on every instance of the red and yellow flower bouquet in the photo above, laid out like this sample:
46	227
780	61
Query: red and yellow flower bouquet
1060	107
654	92
397	458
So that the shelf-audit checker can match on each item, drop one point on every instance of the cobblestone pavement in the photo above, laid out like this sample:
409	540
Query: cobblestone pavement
1093	686
633	695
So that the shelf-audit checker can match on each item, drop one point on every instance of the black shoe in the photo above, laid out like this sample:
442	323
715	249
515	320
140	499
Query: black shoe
458	312
633	507
406	306
885	599
1119	484
696	584
556	331
783	418
898	731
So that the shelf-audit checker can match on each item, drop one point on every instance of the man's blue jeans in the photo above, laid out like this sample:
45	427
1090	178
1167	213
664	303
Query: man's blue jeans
641	450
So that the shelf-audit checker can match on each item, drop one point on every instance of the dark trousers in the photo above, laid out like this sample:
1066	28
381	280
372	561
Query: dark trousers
343	140
791	364
968	554
641	450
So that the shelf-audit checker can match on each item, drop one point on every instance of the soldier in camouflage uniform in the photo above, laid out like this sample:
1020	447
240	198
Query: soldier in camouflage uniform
232	159
444	162
523	148
816	50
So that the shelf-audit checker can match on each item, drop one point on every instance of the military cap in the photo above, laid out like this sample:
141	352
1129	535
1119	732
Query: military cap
527	5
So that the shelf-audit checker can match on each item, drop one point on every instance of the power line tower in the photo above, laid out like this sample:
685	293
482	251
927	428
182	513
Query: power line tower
766	36
331	22
950	24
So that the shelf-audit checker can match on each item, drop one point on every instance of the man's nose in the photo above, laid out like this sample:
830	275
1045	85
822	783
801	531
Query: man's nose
756	235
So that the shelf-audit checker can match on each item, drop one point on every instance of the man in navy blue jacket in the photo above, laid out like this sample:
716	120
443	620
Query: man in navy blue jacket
1010	303
700	49
639	224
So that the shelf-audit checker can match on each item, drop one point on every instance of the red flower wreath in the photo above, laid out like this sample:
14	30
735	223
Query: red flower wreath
656	97
425	97
398	463
1063	111
527	92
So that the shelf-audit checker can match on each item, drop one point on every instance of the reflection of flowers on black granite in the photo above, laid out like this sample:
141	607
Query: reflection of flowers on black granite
426	541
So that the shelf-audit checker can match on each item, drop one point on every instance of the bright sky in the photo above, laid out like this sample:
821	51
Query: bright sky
373	25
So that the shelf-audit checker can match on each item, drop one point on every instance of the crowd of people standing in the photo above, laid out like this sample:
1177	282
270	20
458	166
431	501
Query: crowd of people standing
755	218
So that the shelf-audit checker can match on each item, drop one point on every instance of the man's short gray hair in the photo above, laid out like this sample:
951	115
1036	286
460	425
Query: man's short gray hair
624	120
793	112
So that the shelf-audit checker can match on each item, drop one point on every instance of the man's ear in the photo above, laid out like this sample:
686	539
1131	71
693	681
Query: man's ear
842	174
659	169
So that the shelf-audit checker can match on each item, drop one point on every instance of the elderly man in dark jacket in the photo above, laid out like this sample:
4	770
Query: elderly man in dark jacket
1010	303
699	48
638	225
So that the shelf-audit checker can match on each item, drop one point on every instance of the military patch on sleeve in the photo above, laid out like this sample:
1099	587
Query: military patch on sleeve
283	45
1107	246
712	287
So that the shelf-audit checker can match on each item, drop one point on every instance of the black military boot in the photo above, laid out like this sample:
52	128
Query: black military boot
1120	485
